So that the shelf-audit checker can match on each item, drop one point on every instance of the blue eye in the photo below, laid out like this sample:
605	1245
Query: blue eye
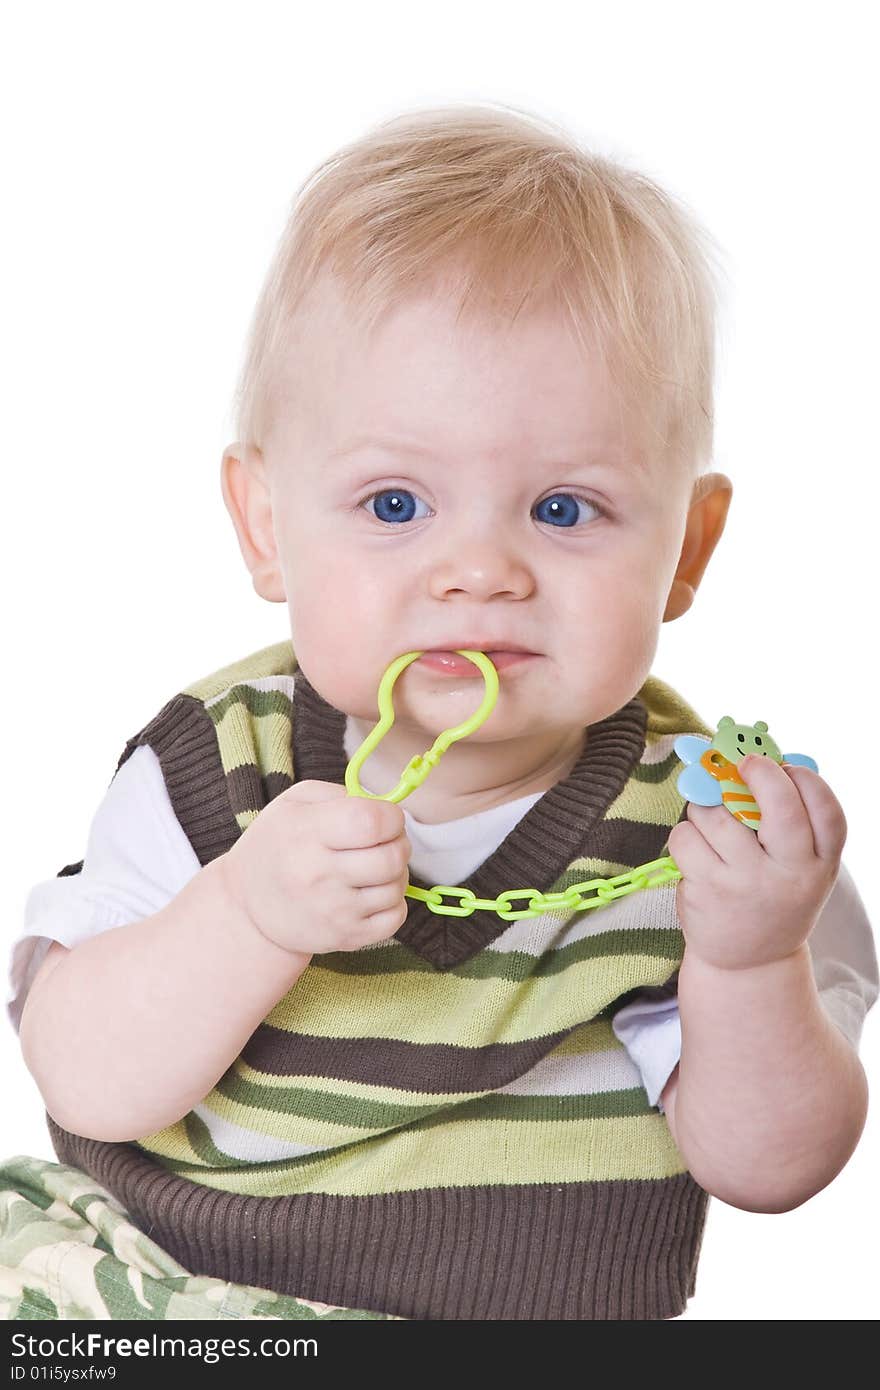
560	509
396	504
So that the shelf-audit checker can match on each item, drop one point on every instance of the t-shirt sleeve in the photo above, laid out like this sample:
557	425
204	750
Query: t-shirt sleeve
137	859
650	1030
844	956
844	959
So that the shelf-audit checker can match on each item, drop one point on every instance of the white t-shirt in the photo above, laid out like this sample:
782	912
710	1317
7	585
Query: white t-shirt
138	858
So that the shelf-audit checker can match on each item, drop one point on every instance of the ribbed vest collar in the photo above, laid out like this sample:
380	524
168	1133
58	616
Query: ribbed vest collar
566	823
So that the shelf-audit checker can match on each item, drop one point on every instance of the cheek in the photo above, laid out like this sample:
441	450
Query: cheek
342	593
340	615
613	619
614	595
336	664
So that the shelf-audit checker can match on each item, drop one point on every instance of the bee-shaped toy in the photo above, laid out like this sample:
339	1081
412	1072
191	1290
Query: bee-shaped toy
712	776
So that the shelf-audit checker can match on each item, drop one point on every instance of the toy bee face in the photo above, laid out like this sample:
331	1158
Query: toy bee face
712	776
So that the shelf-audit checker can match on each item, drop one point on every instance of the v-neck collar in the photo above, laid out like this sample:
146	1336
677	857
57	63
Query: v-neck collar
566	823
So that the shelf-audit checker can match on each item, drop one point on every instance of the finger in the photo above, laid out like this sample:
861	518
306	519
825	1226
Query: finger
823	810
733	843
381	898
693	855
366	821
784	830
312	790
367	868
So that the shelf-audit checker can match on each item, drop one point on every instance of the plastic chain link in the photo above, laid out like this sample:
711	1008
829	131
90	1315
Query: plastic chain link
573	899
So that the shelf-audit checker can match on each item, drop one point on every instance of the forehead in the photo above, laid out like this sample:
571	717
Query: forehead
426	365
481	382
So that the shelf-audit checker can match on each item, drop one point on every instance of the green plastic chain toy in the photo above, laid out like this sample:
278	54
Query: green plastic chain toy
711	778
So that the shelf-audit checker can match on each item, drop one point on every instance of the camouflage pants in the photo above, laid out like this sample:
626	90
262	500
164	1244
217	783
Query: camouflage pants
69	1250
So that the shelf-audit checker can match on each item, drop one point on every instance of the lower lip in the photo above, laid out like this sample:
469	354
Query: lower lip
451	664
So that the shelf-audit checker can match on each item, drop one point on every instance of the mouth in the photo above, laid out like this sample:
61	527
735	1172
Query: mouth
489	647
448	662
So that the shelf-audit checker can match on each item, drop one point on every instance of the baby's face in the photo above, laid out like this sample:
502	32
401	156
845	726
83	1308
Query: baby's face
447	485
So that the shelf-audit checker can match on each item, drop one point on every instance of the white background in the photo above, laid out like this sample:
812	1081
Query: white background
150	155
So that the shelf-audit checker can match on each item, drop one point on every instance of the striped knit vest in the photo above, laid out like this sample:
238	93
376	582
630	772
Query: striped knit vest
442	1125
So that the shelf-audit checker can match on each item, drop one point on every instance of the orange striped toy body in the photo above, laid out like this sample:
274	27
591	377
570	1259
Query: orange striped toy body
735	794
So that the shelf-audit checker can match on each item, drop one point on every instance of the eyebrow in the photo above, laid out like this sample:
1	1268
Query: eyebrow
361	443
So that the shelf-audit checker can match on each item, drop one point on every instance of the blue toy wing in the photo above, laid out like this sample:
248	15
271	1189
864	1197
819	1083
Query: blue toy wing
691	747
800	760
695	784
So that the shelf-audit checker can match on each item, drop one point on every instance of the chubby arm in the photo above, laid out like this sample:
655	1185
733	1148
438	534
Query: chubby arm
845	967
769	1099
127	1031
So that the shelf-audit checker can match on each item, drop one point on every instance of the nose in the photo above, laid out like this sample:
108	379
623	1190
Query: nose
482	568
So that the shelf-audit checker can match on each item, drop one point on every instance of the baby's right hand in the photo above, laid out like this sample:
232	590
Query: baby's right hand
319	870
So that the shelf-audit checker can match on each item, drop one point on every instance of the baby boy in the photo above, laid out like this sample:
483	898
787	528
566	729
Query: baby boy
476	414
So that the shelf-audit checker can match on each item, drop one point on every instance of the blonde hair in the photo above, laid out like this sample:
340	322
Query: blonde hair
522	209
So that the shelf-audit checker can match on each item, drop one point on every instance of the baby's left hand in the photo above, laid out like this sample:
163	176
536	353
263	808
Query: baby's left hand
748	897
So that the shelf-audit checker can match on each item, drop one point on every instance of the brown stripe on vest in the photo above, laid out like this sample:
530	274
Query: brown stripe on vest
418	1067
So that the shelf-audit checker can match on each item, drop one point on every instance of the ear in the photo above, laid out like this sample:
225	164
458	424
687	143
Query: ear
248	500
706	517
